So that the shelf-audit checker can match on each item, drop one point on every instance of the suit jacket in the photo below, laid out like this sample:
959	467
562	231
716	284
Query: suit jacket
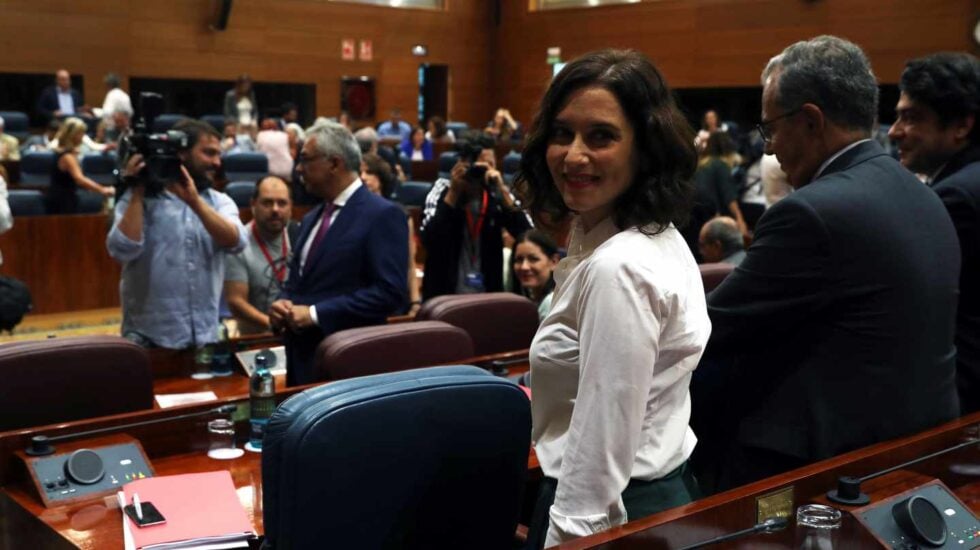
841	317
355	277
47	104
442	235
958	185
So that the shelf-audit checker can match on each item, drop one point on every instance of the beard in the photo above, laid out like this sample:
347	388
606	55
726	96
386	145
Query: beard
202	180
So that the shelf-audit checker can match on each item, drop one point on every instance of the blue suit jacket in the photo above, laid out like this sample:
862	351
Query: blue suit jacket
47	104
355	277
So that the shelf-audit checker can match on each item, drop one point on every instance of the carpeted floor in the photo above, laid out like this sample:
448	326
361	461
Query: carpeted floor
75	323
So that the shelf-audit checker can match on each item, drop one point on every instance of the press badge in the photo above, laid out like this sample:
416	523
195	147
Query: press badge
474	280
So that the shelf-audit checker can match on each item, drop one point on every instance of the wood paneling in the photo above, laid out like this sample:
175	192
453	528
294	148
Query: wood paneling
717	43
274	41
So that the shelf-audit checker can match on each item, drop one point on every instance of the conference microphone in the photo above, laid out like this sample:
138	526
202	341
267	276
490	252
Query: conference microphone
848	491
41	444
771	525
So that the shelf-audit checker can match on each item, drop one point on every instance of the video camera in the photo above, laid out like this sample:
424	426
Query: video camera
159	150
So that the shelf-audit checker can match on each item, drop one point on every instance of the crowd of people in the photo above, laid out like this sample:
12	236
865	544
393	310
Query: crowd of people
852	314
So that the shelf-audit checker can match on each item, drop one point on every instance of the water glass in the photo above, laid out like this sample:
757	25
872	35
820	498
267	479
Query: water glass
817	527
202	363
221	437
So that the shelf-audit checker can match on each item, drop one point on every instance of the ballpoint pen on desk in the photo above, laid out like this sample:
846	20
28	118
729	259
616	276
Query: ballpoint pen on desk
137	507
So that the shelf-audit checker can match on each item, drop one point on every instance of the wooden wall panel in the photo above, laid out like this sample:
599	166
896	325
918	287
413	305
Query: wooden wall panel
274	41
718	43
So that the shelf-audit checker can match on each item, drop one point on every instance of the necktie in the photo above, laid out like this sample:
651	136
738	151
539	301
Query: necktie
318	238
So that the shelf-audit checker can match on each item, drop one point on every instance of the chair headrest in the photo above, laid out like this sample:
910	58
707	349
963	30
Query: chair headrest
496	321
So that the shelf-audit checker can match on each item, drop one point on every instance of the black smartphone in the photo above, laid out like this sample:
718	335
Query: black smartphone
151	516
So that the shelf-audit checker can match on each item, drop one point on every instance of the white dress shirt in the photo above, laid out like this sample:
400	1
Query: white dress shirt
116	100
338	203
610	370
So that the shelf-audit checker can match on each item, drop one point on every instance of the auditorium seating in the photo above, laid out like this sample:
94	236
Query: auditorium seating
63	379
446	162
509	166
89	202
245	166
100	167
241	192
432	458
412	193
713	274
26	202
496	321
457	128
368	350
217	121
36	168
16	124
165	122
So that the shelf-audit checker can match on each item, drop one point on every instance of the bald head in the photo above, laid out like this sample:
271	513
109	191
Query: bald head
63	80
719	238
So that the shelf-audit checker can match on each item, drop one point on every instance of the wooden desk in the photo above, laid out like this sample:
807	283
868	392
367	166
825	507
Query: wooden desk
175	447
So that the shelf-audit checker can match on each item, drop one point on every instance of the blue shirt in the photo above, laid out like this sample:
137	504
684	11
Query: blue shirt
403	130
66	103
172	279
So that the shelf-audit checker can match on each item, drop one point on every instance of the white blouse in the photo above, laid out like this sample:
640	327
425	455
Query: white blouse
610	370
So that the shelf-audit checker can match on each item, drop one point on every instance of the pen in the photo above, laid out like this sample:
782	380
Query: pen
137	507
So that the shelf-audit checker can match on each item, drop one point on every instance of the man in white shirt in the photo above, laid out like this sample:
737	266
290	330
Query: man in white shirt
116	101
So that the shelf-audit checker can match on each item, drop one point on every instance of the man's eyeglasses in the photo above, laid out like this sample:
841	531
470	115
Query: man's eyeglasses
763	127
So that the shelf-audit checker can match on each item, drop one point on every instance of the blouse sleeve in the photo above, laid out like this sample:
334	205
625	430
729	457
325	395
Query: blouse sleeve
619	321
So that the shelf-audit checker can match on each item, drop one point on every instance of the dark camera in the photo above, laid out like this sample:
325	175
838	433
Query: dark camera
469	151
159	150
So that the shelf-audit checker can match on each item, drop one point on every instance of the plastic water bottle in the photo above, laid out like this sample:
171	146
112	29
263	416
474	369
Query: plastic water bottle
221	357
262	393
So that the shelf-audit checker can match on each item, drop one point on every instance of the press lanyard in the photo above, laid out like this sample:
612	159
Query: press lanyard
279	272
475	228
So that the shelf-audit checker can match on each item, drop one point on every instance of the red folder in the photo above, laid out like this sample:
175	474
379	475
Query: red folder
201	508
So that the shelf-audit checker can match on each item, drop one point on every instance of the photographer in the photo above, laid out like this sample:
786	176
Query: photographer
171	238
462	223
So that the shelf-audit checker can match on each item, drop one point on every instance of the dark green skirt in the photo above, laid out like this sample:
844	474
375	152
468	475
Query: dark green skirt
641	498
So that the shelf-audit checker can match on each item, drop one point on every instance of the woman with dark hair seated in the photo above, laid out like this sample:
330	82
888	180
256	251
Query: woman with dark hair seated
534	257
377	175
438	133
612	362
417	147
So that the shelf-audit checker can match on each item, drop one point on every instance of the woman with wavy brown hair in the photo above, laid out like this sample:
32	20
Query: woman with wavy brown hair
612	361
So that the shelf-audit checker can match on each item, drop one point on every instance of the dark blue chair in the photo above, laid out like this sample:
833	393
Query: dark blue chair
510	165
426	458
412	193
457	128
245	166
216	121
241	192
446	162
165	122
101	167
36	168
16	124
89	202
26	202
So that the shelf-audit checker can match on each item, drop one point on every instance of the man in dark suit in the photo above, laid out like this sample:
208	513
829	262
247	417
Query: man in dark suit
60	99
841	317
348	267
938	135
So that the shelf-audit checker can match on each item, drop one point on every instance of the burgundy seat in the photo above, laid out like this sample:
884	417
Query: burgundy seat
65	379
497	321
389	348
713	274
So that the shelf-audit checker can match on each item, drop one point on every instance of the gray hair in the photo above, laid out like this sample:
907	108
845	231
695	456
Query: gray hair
829	72
366	138
333	140
723	231
112	80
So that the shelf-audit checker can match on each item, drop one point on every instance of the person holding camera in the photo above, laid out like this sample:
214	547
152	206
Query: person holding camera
172	240
462	222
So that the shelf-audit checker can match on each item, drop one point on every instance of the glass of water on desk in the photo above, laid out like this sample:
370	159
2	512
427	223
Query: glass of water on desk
221	438
817	527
